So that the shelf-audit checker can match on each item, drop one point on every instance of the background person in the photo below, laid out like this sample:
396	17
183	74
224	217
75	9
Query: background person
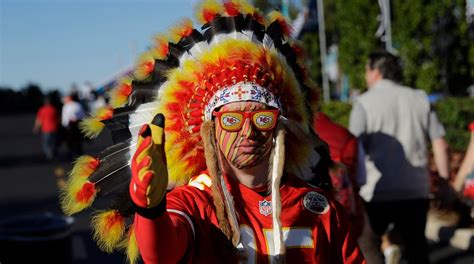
47	121
394	124
72	114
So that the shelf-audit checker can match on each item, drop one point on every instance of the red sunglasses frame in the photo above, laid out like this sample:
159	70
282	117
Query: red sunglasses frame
248	114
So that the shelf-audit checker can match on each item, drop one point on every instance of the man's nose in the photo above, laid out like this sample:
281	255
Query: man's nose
249	129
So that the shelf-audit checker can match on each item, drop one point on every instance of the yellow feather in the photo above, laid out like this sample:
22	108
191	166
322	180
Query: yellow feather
144	66
211	6
103	113
244	7
117	97
178	31
83	167
273	16
130	246
160	48
116	100
69	203
91	126
108	229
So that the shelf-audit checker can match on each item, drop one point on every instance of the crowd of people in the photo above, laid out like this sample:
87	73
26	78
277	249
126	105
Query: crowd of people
237	164
58	123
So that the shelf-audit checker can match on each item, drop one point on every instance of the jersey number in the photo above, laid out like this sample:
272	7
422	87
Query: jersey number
294	237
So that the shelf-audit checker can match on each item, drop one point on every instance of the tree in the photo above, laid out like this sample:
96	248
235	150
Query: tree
430	36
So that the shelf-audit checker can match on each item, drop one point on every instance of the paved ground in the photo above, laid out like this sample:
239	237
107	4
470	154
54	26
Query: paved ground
29	185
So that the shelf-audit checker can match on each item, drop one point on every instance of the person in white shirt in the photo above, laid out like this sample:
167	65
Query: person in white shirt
395	124
72	114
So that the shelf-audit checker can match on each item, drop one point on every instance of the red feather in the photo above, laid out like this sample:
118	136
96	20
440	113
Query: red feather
231	9
86	193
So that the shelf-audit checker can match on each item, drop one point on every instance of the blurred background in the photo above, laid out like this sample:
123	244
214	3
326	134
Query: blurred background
55	48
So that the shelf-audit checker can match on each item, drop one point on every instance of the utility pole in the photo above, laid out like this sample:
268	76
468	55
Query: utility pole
388	28
385	29
322	49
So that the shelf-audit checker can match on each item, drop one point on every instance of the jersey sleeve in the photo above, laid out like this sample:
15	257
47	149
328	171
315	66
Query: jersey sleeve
162	240
169	238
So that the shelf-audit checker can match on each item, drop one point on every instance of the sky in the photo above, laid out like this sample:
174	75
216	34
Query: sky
57	43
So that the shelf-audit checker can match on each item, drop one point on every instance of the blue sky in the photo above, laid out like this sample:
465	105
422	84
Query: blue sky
55	43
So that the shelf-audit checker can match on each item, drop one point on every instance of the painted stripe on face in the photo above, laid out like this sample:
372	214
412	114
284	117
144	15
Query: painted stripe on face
228	140
241	158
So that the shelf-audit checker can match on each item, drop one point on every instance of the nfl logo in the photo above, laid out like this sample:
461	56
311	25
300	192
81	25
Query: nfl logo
265	207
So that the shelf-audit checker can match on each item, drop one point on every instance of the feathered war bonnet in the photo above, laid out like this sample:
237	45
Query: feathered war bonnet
235	56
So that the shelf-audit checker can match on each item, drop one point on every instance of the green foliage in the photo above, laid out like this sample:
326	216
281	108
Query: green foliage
357	23
454	113
337	111
431	37
311	45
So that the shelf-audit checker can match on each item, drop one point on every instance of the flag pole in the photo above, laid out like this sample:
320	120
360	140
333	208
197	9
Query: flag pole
322	49
388	28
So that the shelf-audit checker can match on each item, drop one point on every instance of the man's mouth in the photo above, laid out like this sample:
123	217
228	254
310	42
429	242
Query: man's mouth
251	148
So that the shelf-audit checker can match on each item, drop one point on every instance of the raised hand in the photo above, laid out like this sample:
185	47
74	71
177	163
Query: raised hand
149	169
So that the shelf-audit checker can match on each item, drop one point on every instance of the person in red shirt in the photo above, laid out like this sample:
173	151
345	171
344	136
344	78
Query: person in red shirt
346	176
47	121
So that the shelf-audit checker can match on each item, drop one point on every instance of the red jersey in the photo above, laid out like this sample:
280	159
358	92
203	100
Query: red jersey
49	118
189	233
343	147
342	144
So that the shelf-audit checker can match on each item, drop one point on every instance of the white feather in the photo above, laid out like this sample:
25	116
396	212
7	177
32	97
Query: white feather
229	200
276	173
142	115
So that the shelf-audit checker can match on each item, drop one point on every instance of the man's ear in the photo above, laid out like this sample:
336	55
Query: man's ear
378	74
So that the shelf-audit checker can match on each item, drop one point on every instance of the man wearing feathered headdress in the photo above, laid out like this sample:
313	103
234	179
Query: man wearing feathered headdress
224	160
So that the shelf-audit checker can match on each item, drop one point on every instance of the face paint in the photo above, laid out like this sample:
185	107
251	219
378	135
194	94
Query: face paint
248	146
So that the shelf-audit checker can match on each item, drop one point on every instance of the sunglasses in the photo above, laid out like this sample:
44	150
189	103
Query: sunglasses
232	121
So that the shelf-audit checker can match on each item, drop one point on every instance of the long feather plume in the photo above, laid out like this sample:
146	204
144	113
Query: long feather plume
145	66
119	95
181	30
78	192
277	165
208	10
108	229
161	47
92	126
130	246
